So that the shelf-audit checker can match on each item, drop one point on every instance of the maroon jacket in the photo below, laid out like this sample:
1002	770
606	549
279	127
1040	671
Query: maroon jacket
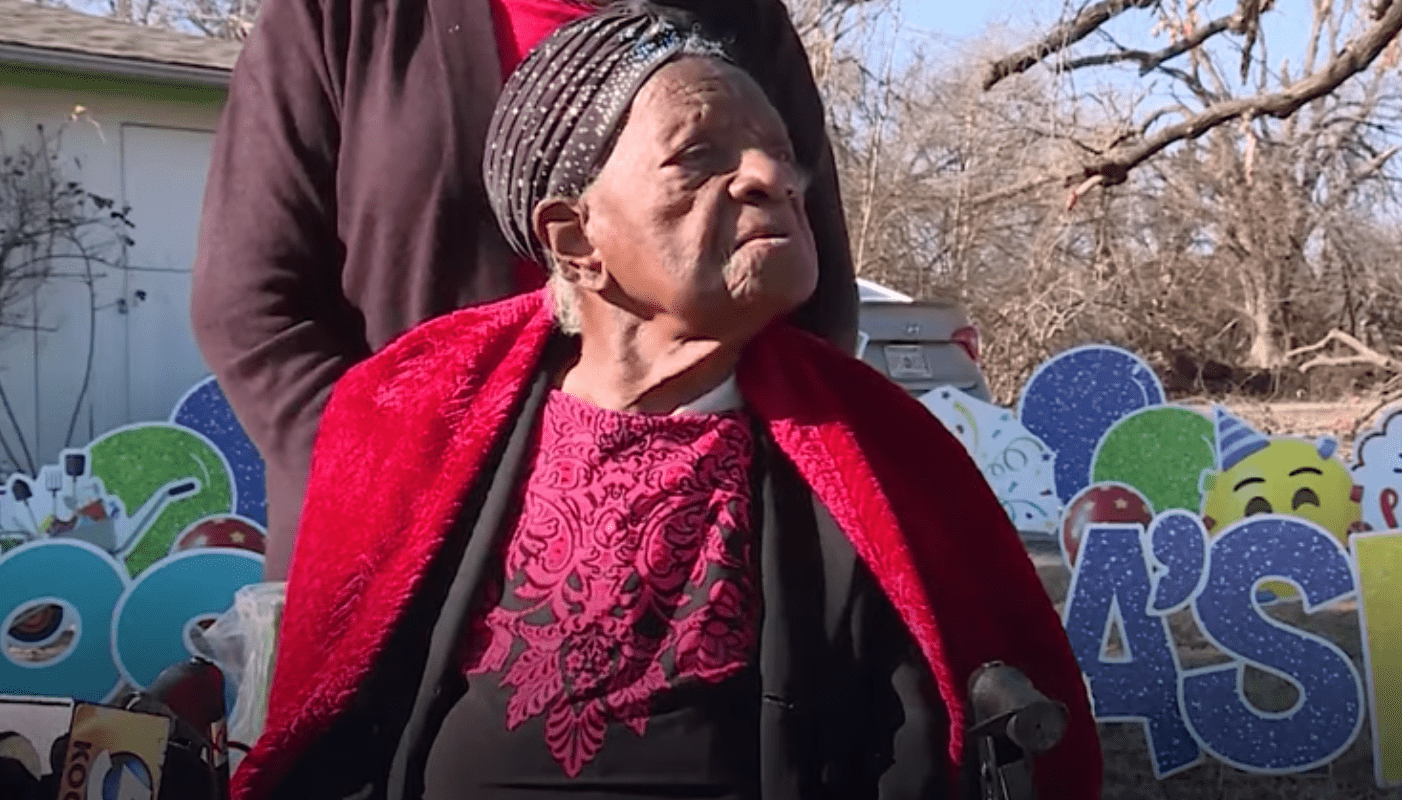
345	201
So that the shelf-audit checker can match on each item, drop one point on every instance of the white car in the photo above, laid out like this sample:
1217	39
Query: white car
919	344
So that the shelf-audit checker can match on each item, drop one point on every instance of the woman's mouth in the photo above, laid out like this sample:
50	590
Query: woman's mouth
763	238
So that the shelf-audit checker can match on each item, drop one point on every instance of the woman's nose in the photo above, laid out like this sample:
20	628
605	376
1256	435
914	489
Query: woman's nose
764	178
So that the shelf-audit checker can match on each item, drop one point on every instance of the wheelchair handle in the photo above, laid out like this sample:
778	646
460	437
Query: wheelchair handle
1005	702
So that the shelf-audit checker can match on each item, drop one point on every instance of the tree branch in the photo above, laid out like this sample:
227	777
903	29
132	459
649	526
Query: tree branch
1362	354
1011	191
1061	37
1147	61
1353	59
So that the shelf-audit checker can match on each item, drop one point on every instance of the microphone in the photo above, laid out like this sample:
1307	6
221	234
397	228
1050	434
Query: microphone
1005	702
19	767
197	759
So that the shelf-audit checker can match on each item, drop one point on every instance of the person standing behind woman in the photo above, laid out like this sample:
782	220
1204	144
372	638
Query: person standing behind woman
344	203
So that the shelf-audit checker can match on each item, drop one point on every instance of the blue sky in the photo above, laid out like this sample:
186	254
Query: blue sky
954	18
1017	22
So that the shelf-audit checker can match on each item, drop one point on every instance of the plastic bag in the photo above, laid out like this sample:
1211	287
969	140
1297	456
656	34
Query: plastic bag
243	642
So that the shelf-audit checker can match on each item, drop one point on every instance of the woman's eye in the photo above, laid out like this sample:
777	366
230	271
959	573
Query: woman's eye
696	154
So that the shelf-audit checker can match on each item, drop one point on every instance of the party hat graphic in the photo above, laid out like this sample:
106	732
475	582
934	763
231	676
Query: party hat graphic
1235	439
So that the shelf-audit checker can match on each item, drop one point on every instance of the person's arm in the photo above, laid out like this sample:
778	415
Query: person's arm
915	771
832	311
267	307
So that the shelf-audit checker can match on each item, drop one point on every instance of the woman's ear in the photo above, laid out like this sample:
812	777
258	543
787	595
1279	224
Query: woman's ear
559	225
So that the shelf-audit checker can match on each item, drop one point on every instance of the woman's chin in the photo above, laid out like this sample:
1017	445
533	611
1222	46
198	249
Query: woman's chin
780	283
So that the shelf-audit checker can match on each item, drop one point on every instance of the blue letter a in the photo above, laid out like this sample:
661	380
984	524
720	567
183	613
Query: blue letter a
1112	575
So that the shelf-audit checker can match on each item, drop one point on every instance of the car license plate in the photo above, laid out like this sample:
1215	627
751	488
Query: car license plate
907	361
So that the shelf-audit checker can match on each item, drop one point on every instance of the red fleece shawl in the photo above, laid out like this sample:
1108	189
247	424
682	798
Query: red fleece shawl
406	433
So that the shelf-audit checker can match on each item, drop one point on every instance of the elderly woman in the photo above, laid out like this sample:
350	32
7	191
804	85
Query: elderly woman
630	536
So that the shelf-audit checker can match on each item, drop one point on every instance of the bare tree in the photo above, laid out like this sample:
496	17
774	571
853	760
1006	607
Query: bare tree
51	229
1236	245
219	19
1201	99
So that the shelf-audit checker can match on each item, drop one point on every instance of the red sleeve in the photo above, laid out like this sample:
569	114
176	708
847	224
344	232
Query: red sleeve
925	521
521	24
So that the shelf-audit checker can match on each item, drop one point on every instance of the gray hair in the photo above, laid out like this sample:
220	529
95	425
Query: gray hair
564	300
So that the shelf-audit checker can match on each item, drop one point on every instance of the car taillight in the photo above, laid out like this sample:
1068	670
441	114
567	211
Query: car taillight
967	337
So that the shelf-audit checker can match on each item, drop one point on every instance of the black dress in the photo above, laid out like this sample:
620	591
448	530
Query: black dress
611	649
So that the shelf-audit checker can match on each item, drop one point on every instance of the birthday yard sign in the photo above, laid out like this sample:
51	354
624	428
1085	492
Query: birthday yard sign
1162	510
113	559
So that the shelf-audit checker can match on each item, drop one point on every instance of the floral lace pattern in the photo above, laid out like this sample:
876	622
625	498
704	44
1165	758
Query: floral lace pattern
627	574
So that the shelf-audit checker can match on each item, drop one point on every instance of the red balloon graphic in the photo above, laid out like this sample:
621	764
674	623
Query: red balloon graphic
1102	502
224	531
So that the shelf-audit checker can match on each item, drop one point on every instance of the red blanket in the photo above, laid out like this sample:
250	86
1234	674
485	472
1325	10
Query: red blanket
405	436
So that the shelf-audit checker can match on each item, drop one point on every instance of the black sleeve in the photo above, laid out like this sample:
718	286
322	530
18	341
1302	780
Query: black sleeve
905	724
266	302
267	269
918	742
832	311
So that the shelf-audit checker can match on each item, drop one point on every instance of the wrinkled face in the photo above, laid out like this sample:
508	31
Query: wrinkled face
698	211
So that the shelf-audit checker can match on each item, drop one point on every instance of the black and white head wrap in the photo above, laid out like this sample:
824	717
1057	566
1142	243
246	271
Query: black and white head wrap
560	111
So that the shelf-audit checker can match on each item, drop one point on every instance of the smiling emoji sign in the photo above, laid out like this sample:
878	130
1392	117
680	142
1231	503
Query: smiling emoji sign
1296	477
1257	475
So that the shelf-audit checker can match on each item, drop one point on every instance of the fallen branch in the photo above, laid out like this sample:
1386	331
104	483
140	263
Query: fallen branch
1362	354
1341	361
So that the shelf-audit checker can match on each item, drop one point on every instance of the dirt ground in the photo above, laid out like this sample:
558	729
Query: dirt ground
1341	419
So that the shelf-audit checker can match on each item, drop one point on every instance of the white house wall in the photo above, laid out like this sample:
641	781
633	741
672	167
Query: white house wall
153	156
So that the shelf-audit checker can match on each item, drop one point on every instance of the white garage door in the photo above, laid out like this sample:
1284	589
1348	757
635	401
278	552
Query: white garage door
163	178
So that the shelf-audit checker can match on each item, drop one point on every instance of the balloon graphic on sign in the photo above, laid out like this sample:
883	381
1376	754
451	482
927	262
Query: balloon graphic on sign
205	409
1161	451
222	530
1074	398
1100	503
